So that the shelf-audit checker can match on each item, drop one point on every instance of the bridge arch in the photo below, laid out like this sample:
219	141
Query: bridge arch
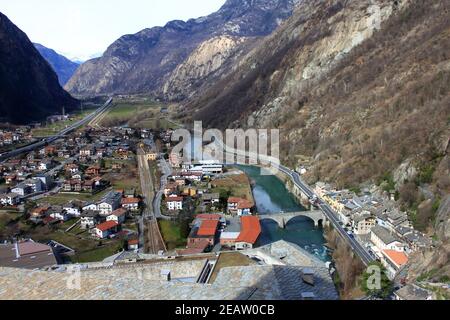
282	219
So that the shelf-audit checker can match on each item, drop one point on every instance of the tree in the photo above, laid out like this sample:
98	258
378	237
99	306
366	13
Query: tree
375	282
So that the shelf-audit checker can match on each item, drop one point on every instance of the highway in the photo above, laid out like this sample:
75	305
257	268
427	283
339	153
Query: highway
60	135
330	214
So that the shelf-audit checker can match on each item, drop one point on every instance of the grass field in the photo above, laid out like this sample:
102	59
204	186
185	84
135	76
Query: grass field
171	235
87	249
159	123
53	128
237	185
131	113
63	198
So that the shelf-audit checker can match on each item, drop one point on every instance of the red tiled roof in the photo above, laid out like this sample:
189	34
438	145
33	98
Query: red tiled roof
119	212
245	204
250	229
209	216
399	258
133	242
107	225
174	199
234	200
130	200
208	228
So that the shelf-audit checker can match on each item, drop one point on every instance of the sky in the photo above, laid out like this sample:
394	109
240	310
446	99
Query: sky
81	29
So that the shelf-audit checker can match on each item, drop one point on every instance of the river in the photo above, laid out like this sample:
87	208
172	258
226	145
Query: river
272	197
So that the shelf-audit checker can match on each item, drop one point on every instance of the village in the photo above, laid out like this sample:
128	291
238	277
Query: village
79	200
85	190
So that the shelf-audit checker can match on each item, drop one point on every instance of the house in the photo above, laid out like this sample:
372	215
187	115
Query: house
385	240
170	188
45	165
106	229
363	223
192	176
46	180
87	151
203	231
72	209
174	202
36	185
133	244
93	171
210	199
58	213
130	193
117	216
10	199
131	204
9	179
241	233
39	212
22	189
88	186
109	203
250	232
393	261
89	207
89	219
239	206
72	168
413	292
190	191
152	156
72	185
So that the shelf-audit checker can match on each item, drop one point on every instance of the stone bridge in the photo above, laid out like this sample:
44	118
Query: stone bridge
283	218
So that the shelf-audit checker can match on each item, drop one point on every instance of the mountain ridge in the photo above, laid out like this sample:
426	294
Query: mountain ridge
30	89
143	62
63	67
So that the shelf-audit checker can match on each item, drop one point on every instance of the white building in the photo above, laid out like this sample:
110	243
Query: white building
10	199
174	203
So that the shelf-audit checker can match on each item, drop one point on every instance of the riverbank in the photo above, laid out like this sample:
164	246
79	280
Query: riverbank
348	267
272	197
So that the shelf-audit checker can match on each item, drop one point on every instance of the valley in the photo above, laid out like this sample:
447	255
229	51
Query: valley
358	93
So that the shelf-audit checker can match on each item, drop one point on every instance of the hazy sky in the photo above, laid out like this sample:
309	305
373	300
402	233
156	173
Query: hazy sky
81	28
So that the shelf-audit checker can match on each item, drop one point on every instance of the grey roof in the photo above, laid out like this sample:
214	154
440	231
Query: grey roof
111	197
9	257
384	234
361	217
210	196
413	292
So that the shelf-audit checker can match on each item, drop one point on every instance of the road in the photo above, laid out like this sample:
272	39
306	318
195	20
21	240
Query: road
59	135
332	216
166	171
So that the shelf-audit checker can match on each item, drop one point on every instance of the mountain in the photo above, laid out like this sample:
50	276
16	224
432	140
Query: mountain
63	67
29	88
151	61
360	90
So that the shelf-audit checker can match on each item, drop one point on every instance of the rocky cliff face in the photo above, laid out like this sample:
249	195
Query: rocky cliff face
63	67
145	62
357	86
29	88
204	66
360	88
